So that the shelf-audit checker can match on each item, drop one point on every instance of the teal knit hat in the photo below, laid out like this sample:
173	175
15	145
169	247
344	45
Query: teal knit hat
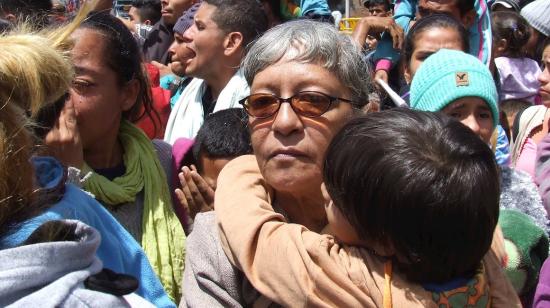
448	75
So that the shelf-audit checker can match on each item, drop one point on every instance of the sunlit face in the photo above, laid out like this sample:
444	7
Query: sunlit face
429	42
544	77
171	10
98	96
474	113
290	148
180	55
205	44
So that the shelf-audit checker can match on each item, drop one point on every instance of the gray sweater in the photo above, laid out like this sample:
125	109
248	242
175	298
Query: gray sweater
518	192
52	274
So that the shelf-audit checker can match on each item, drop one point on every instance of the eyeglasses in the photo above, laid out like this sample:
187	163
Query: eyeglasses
309	104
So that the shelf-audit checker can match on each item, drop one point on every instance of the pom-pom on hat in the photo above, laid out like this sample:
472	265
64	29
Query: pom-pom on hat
448	75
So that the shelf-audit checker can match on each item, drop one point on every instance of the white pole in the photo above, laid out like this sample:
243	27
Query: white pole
347	8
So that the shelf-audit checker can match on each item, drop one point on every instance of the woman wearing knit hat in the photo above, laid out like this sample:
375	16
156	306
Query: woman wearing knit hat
536	13
460	86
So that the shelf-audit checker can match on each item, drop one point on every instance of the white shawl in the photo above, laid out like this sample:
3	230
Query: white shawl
188	115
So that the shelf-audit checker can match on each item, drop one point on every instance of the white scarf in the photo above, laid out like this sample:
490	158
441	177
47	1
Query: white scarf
188	115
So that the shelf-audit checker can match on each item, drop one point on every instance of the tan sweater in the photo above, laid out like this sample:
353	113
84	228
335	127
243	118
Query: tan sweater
293	266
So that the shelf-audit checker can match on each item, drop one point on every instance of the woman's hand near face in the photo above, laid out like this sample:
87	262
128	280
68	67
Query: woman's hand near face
195	195
63	140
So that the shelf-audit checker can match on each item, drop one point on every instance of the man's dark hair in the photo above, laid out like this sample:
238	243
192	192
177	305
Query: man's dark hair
148	10
419	182
36	11
386	3
244	16
224	134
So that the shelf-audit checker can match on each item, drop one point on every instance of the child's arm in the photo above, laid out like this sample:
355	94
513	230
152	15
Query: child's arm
285	262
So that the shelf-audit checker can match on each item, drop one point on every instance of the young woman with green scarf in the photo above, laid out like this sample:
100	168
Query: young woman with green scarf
130	175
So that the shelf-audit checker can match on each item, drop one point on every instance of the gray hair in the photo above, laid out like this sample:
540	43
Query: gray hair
308	41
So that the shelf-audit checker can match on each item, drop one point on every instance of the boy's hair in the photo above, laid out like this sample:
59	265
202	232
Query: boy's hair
386	3
224	134
148	10
420	183
244	16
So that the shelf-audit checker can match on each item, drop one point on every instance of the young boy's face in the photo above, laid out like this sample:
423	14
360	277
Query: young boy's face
211	168
133	13
378	10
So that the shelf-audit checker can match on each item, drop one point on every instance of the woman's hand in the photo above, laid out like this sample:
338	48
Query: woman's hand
195	194
375	25
63	140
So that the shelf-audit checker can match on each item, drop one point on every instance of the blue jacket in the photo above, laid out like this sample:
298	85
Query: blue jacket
118	250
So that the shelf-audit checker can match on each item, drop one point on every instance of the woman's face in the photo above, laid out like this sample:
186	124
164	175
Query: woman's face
427	43
544	77
98	97
474	113
290	148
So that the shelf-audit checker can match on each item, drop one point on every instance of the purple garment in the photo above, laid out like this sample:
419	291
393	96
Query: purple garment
542	171
518	78
542	295
181	155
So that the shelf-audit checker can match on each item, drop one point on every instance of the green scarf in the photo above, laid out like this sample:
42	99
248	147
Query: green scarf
162	235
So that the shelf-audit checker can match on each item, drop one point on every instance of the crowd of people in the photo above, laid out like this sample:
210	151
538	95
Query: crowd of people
234	153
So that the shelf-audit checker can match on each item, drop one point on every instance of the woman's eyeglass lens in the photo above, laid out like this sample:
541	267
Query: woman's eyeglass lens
308	104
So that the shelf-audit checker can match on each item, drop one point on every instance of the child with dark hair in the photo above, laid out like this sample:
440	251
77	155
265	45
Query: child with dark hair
382	8
223	136
420	209
517	74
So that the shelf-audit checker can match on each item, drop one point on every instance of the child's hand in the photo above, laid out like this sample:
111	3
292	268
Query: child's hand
63	140
195	194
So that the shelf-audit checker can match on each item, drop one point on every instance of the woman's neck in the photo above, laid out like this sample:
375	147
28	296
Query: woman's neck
307	210
108	154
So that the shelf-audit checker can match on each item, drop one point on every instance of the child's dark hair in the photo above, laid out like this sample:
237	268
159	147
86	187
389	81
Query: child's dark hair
430	22
513	28
224	134
123	56
148	10
386	3
421	183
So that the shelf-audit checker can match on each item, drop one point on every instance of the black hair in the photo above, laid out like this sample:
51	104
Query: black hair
148	9
245	16
464	6
430	22
386	3
123	56
513	28
36	11
419	182
224	134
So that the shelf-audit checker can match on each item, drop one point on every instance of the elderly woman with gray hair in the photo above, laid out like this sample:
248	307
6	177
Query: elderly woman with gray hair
306	81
